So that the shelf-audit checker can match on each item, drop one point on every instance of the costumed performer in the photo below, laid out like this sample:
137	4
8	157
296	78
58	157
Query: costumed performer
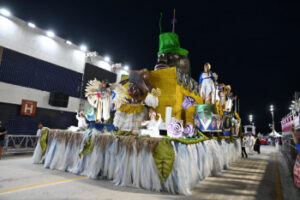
218	88
152	125
81	120
250	142
229	99
103	107
244	144
37	155
207	84
222	95
296	137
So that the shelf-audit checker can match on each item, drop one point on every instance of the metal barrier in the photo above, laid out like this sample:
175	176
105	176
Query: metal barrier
19	144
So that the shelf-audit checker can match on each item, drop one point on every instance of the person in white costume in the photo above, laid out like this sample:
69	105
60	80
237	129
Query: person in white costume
103	107
207	84
250	143
152	125
81	120
222	97
37	155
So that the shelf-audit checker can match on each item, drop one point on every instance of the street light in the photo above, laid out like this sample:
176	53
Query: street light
126	67
50	33
83	47
5	12
250	118
272	113
30	24
107	59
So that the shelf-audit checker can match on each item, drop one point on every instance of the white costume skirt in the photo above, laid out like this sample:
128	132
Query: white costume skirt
37	155
207	87
104	109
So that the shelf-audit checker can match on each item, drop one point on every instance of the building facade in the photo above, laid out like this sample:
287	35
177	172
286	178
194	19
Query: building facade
34	65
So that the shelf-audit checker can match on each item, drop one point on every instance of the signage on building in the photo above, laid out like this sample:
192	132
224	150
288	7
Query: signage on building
28	107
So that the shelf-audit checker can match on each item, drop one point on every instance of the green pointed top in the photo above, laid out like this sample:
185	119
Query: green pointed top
169	43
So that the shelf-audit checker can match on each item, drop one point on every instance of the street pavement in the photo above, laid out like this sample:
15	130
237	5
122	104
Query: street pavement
263	176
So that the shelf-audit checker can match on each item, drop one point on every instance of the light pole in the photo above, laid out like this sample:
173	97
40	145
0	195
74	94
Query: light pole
252	124
250	119
272	113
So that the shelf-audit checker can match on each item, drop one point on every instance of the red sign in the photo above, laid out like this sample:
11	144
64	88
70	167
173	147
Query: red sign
28	108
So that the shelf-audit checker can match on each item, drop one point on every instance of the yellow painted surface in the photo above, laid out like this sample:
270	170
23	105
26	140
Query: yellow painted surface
172	94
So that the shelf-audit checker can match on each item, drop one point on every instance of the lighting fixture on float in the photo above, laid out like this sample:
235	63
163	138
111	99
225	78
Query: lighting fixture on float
5	12
83	47
68	42
126	67
107	59
30	24
50	34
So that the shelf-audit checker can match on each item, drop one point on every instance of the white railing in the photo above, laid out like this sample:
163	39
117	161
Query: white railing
19	144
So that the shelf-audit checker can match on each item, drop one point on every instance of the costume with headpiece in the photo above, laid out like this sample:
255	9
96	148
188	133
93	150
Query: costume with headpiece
229	100
99	95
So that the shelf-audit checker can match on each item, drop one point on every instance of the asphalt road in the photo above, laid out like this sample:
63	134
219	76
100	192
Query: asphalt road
258	177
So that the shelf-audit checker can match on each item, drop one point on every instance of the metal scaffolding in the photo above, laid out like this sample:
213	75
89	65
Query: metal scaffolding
19	144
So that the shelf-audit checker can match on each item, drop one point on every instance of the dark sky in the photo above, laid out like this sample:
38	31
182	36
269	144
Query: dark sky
252	45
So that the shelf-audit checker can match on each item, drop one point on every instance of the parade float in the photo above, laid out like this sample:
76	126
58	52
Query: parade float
167	133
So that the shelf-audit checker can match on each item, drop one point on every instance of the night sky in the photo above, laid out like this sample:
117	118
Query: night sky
252	45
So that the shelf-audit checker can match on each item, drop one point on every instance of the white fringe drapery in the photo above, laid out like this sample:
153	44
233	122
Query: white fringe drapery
135	166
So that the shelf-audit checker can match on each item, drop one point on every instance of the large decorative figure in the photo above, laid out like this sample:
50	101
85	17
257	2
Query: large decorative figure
152	125
171	54
207	84
138	85
141	94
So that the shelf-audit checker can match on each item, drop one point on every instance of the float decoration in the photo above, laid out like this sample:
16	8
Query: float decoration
152	98
164	157
43	140
152	125
88	145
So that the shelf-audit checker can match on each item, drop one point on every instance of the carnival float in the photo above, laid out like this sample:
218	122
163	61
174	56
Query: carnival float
167	132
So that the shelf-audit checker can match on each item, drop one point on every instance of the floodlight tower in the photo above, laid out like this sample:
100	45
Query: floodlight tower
272	113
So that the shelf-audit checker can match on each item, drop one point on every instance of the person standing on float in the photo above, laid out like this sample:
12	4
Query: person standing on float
207	84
